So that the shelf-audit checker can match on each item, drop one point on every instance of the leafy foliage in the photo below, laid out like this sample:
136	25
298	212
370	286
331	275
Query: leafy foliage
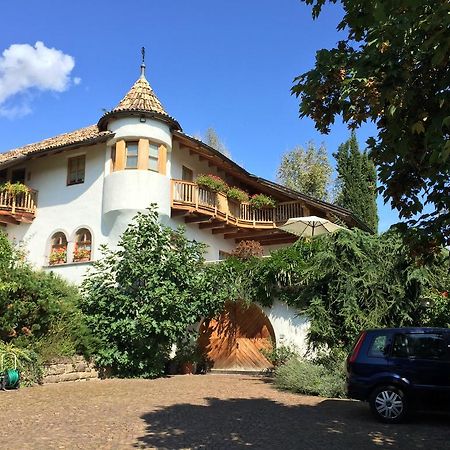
345	282
237	194
213	140
141	299
307	377
212	182
262	201
357	182
248	249
35	305
26	361
392	69
307	170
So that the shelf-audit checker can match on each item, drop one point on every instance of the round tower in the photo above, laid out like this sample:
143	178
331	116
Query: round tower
138	156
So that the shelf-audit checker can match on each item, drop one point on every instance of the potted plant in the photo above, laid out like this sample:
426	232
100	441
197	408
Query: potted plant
262	201
58	256
14	189
187	355
81	254
212	182
234	193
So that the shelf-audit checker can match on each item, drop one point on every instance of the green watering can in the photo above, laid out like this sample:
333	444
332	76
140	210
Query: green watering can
11	377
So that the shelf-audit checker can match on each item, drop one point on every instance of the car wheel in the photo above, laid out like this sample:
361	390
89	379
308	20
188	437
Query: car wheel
389	404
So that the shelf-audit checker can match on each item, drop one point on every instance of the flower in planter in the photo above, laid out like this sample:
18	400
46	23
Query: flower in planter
82	254
58	256
235	193
212	182
261	201
14	188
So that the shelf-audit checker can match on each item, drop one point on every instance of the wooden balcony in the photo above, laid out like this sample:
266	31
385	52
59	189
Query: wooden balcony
235	220
17	208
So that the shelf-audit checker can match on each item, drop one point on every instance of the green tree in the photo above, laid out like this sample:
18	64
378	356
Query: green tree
213	140
392	69
356	182
141	299
307	170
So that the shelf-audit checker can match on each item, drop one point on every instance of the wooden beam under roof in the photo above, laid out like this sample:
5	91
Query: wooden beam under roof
287	240
261	237
248	233
225	229
212	224
198	219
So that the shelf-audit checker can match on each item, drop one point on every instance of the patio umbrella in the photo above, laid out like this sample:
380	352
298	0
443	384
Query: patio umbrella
309	226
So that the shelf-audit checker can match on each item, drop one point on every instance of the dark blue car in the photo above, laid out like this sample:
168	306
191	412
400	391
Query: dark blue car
400	369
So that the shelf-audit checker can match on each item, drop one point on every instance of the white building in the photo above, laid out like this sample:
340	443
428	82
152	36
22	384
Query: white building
85	186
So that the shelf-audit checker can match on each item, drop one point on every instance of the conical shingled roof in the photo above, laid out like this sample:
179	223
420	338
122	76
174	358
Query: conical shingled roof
139	99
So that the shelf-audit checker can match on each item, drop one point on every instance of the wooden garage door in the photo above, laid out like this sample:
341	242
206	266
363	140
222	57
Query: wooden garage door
234	340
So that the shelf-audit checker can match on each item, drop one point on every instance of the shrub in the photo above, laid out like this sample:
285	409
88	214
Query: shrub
38	310
141	299
248	250
212	182
26	361
309	378
280	355
261	201
237	194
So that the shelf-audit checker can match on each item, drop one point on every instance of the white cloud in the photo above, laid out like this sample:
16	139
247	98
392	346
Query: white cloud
76	81
24	68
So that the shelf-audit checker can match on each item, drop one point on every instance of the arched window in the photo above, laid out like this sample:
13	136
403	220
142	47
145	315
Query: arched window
83	245
58	250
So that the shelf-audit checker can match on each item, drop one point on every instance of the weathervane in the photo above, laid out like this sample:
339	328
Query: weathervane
143	62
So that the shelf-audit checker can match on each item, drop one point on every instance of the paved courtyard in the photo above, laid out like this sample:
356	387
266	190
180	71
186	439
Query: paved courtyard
203	411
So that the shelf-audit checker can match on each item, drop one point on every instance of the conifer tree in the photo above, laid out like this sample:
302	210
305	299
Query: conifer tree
356	182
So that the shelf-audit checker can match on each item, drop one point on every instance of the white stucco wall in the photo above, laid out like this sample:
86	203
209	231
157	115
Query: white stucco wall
61	207
290	329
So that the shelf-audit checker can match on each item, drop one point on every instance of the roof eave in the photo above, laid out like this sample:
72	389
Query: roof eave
55	149
278	187
103	122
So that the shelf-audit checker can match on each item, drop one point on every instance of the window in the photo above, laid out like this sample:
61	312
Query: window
18	176
378	347
153	157
187	174
58	250
3	176
83	245
132	155
75	170
420	346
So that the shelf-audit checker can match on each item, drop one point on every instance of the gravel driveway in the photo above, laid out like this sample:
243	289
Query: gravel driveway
199	411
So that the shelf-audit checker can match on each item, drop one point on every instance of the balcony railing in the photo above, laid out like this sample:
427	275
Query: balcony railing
190	196
18	205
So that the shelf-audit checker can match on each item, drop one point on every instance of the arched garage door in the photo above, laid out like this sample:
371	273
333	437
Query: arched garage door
233	341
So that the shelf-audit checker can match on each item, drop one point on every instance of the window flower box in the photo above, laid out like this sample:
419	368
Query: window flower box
237	194
261	201
212	182
58	256
81	255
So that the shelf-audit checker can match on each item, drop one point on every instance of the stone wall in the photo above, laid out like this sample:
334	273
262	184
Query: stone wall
69	369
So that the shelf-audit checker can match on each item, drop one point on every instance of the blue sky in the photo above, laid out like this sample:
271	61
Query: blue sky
229	65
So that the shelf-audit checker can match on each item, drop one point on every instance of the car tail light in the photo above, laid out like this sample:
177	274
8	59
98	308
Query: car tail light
357	347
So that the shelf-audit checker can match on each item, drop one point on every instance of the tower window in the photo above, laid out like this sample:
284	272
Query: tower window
153	157
132	155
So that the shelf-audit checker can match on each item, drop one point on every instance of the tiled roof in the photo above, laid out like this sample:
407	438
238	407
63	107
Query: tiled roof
140	97
74	137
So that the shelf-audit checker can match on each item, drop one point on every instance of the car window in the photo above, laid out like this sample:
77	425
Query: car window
377	346
421	346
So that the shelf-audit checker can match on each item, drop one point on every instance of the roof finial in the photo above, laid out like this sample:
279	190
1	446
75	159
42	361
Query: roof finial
143	63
